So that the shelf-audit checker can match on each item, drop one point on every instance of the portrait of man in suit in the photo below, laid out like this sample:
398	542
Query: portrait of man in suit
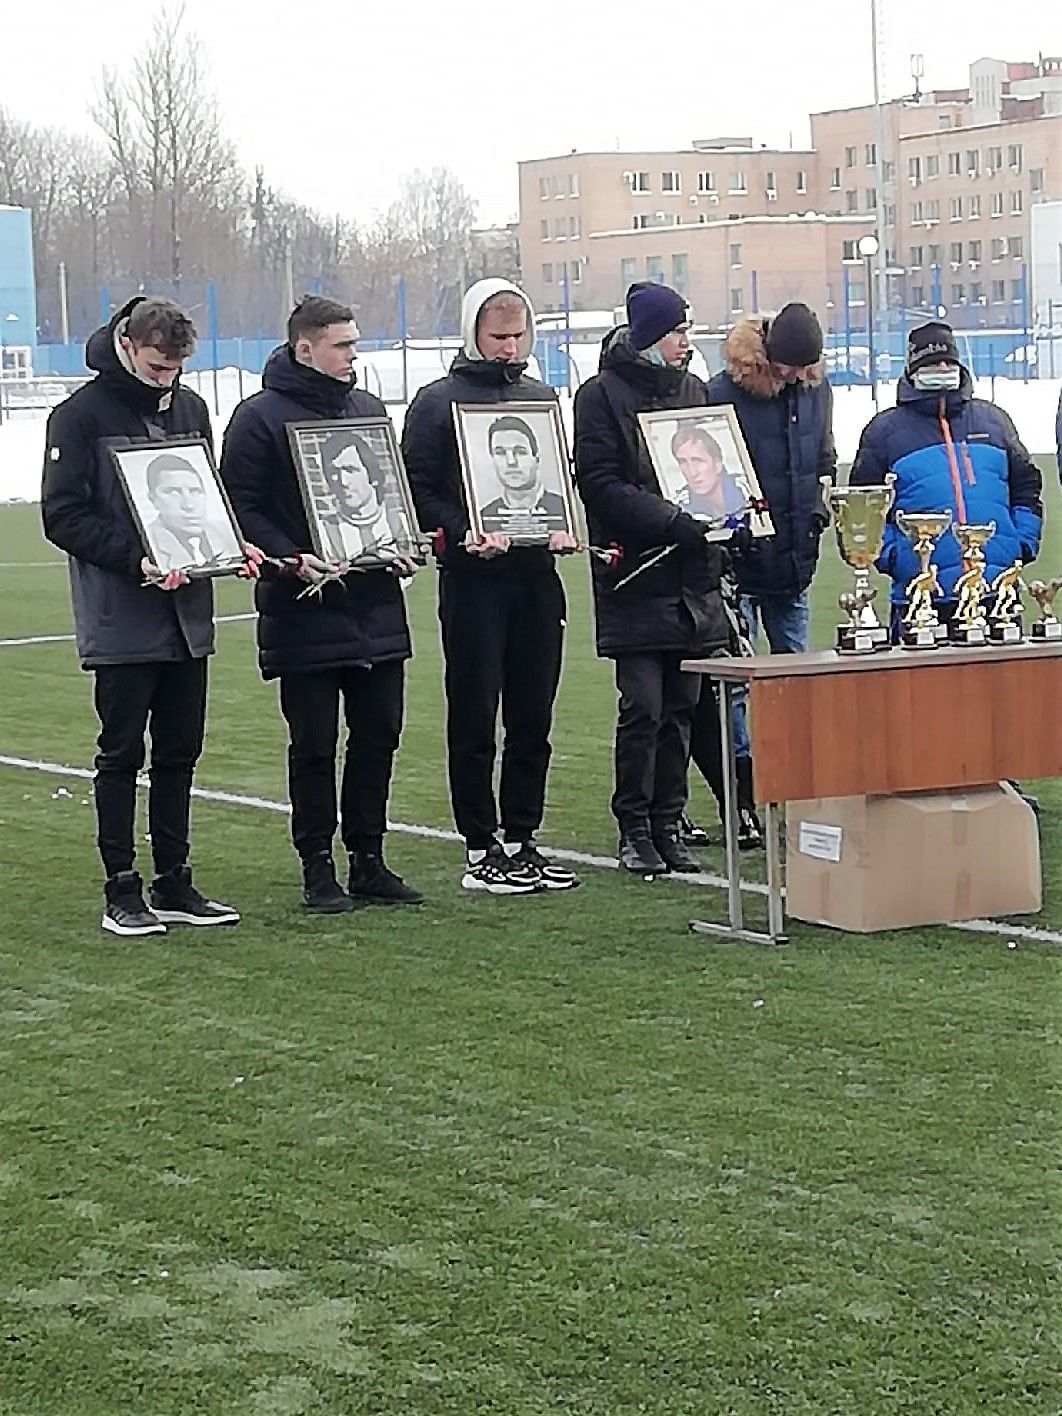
184	533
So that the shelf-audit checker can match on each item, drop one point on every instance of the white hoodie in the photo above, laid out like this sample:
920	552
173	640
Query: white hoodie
476	296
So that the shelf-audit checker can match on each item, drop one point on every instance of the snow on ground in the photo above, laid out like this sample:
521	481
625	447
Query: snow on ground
1032	406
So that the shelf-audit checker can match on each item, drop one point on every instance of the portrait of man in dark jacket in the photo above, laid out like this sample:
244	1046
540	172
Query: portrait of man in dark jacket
345	643
661	602
501	607
144	630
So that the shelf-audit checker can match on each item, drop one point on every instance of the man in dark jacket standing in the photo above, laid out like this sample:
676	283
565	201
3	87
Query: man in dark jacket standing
673	608
348	641
146	643
501	608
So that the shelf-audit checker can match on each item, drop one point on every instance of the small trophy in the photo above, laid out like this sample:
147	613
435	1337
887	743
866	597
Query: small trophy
970	623
1047	629
922	626
859	521
1004	617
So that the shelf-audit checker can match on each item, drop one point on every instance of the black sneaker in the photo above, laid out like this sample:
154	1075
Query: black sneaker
692	834
675	855
370	879
499	874
638	854
551	873
176	900
321	891
750	832
124	911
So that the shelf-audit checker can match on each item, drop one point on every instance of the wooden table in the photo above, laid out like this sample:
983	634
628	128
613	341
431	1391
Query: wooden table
901	720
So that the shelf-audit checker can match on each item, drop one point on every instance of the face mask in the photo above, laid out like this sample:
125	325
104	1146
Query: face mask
937	380
655	357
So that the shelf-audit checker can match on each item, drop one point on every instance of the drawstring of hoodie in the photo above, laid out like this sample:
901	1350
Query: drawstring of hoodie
953	461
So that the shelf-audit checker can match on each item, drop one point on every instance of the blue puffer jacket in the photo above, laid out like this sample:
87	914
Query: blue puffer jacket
987	477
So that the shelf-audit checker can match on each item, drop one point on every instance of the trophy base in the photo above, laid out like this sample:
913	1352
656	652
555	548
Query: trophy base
924	637
1009	633
1047	631
862	638
968	635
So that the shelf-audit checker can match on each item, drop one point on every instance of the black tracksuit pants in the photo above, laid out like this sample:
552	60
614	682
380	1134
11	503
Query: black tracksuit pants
502	642
372	708
656	703
169	701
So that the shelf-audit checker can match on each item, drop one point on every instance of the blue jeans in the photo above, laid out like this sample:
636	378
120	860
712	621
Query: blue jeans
786	623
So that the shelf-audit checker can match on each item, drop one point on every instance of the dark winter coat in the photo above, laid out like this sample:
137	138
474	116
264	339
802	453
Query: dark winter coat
788	430
429	450
361	620
675	606
992	478
118	620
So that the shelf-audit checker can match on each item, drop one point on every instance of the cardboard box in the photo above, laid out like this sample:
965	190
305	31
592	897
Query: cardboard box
883	862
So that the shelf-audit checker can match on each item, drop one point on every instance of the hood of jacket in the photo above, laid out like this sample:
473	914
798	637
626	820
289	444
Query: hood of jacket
101	356
476	296
619	356
325	396
748	365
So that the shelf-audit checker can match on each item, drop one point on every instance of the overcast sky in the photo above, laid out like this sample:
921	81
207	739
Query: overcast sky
338	102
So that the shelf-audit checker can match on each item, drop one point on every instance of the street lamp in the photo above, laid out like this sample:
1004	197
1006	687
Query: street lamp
868	249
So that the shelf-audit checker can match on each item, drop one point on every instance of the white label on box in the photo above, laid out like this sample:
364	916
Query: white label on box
822	842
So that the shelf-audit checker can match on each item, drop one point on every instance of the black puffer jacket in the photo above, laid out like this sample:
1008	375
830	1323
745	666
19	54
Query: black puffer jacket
429	450
117	619
676	606
360	621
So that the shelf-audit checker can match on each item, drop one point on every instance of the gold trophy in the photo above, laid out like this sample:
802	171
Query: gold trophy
1004	617
1048	628
859	515
970	623
922	626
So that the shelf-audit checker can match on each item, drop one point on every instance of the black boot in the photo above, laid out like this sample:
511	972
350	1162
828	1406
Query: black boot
750	832
638	854
370	879
673	850
321	892
692	834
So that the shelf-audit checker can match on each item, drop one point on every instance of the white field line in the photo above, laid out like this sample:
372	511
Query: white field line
434	833
29	565
69	638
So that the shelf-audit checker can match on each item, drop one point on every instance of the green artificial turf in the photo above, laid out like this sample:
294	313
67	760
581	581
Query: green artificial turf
509	1156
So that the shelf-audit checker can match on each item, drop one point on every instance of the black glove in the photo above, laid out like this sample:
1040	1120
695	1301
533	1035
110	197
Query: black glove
741	541
687	532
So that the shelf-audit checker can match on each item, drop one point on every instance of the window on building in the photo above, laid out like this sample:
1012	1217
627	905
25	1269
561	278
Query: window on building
932	165
870	153
996	209
1016	247
958	294
999	247
705	182
1014	157
670	182
934	255
977	293
543	188
702	217
768	182
1036	179
917	295
914	169
1017	202
973	250
641	221
870	196
955	209
916	211
915	254
943	120
999	291
737	182
573	228
544	228
933	210
888	172
851	201
680	274
973	162
667	218
890	213
802	181
654	268
857	292
974	207
735	255
560	229
736	300
892	256
628	272
835	179
955	252
849	251
547	273
639	181
1017	290
573	184
849	157
993	160
561	272
954	164
555	187
576	272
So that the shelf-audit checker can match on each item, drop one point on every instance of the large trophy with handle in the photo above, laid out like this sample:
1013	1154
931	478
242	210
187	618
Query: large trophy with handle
922	628
970	623
859	515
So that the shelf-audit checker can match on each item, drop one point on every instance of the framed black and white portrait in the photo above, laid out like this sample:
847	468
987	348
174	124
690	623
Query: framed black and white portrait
514	463
703	466
355	491
179	506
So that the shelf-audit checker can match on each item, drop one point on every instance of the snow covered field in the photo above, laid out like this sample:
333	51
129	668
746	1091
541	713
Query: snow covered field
1032	406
